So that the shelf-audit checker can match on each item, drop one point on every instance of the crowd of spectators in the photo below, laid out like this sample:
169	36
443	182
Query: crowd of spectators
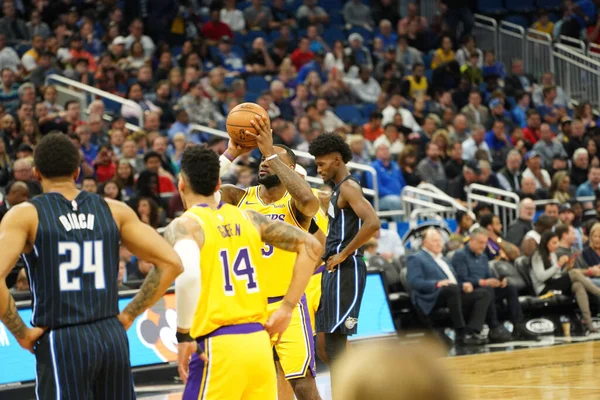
414	99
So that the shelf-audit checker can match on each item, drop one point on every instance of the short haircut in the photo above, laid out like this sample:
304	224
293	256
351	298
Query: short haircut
56	156
479	231
328	143
69	102
151	154
486	220
89	178
200	168
561	230
290	153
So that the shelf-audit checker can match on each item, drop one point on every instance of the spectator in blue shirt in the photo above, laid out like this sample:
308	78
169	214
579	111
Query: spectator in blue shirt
386	34
497	139
519	112
389	179
589	187
228	58
471	265
316	65
549	112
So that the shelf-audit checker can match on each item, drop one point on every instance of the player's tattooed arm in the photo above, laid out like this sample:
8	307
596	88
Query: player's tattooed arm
303	199
285	236
231	194
184	228
143	241
12	320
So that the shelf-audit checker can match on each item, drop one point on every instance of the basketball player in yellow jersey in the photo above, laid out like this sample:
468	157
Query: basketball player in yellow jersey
282	195
221	304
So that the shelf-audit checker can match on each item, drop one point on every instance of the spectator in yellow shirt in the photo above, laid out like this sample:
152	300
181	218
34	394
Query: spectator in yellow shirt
444	54
543	24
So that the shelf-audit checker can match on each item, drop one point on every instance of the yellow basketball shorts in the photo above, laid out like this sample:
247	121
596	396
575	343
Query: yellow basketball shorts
313	294
240	366
296	349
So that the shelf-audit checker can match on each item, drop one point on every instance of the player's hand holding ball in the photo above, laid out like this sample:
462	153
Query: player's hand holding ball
279	320
264	135
239	124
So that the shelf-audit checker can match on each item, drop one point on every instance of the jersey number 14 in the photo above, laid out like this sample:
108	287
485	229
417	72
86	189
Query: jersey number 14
241	268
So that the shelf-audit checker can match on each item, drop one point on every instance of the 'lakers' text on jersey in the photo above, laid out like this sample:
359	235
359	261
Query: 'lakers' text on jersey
279	263
74	265
231	285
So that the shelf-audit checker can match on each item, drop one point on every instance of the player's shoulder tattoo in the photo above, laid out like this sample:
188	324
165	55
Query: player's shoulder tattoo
181	228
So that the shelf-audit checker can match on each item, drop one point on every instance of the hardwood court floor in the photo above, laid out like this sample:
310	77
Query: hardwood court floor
569	371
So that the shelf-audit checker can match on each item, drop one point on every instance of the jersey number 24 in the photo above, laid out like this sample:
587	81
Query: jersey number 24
92	260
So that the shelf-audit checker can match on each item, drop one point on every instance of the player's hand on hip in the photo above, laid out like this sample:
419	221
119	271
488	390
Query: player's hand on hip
264	136
335	260
279	321
125	320
184	354
31	339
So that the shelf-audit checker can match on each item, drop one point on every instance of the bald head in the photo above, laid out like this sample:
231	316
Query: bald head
432	241
18	193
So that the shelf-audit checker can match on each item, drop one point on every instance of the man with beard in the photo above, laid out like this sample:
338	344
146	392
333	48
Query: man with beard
281	195
497	248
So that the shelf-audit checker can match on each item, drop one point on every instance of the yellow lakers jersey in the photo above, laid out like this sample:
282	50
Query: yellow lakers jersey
278	264
231	275
321	218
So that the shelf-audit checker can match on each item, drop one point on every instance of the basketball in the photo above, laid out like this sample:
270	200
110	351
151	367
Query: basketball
238	122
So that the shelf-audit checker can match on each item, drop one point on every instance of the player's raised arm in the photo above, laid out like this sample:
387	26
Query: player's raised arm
143	241
15	232
303	198
351	193
309	250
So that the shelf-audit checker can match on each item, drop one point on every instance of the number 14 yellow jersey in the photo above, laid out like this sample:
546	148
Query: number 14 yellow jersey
231	273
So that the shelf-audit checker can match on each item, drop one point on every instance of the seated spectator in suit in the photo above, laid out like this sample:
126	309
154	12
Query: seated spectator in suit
531	240
476	113
589	260
471	265
522	225
434	283
549	273
510	176
518	80
497	248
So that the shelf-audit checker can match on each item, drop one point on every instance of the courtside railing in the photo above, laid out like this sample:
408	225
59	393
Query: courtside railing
577	74
504	204
511	42
63	84
486	32
538	53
